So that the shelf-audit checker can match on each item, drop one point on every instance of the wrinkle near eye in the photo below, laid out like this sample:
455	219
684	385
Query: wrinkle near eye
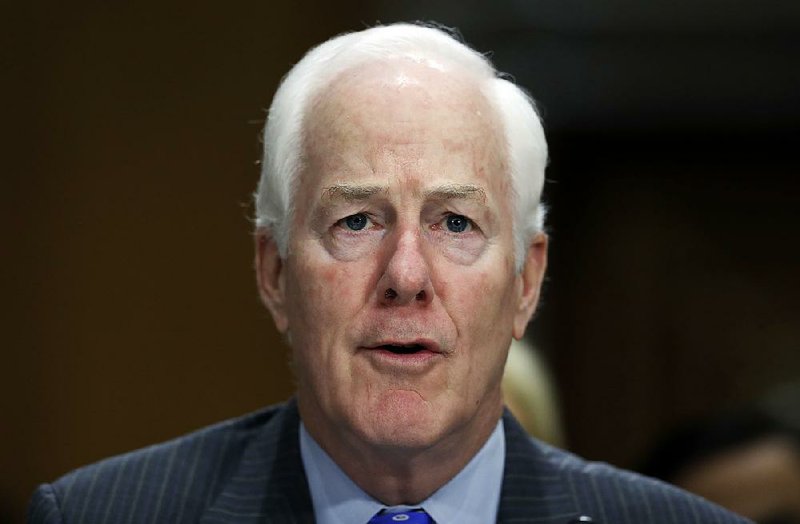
463	248
480	217
346	243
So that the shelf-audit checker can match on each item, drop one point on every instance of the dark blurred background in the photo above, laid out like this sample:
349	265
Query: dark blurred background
130	144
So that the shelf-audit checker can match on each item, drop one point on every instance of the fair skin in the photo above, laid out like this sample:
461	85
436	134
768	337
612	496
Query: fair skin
399	291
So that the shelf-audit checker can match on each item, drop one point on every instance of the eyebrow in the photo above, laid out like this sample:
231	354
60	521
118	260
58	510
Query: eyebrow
457	191
352	192
358	192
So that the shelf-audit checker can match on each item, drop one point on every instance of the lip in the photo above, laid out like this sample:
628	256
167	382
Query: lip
427	345
382	357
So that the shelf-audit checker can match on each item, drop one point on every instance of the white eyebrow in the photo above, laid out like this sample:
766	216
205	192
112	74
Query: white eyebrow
457	191
351	192
358	192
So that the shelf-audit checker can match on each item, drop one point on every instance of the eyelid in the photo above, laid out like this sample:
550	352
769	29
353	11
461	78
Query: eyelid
371	222
472	225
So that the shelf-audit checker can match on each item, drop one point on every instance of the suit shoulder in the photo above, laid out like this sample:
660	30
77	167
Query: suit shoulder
170	482
617	495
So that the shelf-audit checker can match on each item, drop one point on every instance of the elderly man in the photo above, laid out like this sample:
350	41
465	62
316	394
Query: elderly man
399	249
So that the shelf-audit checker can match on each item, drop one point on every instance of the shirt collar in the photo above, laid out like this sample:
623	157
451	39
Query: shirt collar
473	495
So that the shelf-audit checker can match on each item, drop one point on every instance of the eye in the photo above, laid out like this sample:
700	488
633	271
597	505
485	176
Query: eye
457	223
355	222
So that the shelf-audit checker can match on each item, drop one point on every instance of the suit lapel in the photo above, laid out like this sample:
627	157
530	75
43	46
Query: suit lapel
533	490
269	484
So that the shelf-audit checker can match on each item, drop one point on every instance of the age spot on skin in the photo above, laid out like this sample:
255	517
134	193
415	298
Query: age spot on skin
330	275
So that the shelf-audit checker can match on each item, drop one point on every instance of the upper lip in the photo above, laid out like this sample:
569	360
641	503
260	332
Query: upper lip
427	344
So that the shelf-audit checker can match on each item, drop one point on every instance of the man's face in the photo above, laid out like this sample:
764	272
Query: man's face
399	290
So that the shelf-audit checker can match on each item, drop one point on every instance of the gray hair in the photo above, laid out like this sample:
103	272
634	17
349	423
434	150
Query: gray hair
526	146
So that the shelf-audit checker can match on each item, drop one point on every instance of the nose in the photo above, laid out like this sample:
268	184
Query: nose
406	277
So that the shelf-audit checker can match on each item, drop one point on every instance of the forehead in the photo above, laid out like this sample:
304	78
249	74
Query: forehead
366	90
412	112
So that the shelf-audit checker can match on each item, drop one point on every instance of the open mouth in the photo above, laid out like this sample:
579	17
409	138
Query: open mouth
409	349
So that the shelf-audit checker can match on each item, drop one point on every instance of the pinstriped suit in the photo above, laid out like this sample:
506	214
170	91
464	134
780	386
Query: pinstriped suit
249	470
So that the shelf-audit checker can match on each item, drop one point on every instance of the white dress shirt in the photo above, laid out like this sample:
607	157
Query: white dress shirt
472	496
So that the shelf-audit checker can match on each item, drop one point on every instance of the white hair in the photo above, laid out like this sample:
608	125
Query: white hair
526	146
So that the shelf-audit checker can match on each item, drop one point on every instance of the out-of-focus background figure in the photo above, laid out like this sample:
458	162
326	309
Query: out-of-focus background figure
747	460
531	394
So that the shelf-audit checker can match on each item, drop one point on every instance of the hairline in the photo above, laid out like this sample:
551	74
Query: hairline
321	73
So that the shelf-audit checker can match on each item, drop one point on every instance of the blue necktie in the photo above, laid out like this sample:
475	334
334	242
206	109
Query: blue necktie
412	516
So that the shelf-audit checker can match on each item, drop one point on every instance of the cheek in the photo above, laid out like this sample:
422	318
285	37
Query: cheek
325	297
350	247
463	250
330	276
322	310
484	327
485	306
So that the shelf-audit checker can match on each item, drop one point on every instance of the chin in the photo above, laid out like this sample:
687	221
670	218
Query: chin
403	419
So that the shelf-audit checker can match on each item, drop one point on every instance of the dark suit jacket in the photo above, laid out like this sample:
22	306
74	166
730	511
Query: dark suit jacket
249	470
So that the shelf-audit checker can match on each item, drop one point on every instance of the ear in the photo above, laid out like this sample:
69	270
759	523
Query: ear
531	277
270	277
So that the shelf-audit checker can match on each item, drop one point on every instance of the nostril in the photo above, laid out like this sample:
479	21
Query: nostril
390	294
420	296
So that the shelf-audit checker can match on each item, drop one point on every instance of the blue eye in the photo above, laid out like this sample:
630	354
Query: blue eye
356	222
457	223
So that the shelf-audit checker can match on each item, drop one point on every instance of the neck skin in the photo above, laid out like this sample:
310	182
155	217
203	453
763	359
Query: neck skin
402	475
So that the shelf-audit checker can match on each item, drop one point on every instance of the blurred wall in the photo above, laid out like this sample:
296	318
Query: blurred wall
673	190
130	143
674	280
131	314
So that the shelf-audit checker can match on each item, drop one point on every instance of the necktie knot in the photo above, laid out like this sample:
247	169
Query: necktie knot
412	516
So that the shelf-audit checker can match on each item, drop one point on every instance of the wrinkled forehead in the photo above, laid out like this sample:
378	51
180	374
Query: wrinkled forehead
401	99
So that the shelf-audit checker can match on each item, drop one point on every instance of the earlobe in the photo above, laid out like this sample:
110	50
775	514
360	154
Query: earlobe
270	277
531	276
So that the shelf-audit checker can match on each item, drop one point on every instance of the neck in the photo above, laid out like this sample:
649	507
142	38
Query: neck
396	475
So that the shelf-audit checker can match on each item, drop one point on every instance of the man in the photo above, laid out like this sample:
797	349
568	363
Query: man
399	249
